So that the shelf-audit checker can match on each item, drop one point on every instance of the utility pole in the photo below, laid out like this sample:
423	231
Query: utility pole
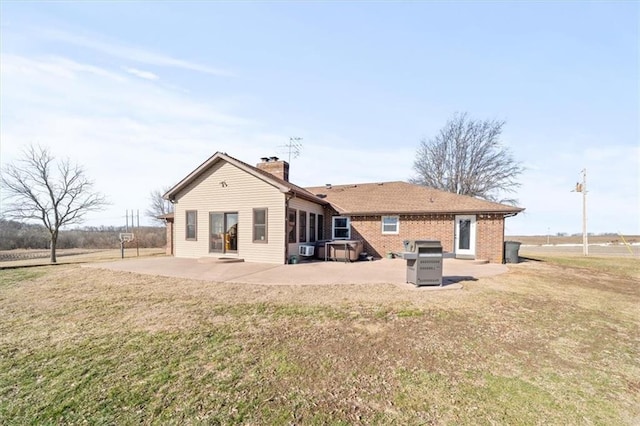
582	187
138	232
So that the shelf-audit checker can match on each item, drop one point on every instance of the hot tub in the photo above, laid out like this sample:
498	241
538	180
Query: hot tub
346	250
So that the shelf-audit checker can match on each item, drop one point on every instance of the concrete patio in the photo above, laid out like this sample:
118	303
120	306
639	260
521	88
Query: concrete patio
382	271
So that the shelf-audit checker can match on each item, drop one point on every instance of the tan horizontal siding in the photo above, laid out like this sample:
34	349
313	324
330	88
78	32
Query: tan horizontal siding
242	193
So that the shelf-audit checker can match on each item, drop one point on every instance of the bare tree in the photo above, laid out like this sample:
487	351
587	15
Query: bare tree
159	206
466	157
56	193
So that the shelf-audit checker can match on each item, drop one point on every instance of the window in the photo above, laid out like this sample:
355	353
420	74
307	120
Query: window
216	232
191	225
341	228
320	227
259	225
291	225
390	224
303	227
312	227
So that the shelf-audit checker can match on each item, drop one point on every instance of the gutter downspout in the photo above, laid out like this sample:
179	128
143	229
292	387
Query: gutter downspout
504	222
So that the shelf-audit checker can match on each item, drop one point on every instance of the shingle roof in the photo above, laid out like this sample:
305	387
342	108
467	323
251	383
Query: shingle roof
363	198
297	190
403	198
283	185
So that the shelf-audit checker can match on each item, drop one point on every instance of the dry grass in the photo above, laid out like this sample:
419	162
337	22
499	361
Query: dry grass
22	257
574	239
548	342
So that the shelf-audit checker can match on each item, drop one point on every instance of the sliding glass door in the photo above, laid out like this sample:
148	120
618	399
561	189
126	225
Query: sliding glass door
223	229
231	227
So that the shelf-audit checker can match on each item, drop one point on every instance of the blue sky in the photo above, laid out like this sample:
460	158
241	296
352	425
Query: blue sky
142	93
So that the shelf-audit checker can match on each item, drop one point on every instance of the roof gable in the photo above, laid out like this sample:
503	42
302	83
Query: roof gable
403	198
282	185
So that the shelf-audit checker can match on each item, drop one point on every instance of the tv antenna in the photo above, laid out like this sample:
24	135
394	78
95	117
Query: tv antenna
293	147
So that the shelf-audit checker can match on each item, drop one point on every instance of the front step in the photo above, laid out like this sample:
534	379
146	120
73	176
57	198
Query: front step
220	260
470	259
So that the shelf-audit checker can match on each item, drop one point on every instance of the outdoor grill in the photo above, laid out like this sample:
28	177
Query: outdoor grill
424	262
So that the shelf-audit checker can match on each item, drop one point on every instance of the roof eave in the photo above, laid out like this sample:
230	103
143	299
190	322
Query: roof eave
170	195
307	197
409	213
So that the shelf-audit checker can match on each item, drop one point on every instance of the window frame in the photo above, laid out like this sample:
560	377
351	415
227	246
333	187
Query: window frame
292	234
187	225
320	225
334	227
397	225
265	225
312	227
302	225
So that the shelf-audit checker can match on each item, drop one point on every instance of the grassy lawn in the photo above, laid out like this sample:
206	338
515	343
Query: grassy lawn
20	257
550	342
620	266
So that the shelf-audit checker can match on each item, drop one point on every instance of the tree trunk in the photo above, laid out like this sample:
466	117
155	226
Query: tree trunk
54	242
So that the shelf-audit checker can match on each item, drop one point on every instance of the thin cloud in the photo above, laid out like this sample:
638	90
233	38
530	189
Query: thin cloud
132	54
50	83
147	75
130	136
54	65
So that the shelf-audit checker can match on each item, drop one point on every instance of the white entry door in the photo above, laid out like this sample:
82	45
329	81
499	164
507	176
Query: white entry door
465	236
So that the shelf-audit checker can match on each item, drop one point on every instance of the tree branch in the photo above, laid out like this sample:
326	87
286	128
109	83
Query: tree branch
466	157
55	199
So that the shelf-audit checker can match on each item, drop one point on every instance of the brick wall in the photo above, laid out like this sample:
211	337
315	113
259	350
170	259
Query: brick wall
490	237
169	247
424	227
489	234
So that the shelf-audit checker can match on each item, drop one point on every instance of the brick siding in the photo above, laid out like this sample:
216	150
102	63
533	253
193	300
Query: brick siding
427	227
169	247
490	237
489	233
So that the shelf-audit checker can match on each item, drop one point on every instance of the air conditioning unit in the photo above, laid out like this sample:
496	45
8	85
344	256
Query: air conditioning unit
306	250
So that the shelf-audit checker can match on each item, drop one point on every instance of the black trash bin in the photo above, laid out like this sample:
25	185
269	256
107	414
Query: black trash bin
511	249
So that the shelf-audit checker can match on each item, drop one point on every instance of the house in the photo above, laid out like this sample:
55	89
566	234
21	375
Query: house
228	208
385	214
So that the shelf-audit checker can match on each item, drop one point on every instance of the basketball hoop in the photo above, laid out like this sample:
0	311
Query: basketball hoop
126	237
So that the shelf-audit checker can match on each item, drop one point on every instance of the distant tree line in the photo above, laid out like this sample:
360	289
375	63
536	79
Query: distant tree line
15	235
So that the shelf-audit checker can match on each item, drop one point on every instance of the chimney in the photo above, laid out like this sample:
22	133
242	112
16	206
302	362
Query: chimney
275	166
